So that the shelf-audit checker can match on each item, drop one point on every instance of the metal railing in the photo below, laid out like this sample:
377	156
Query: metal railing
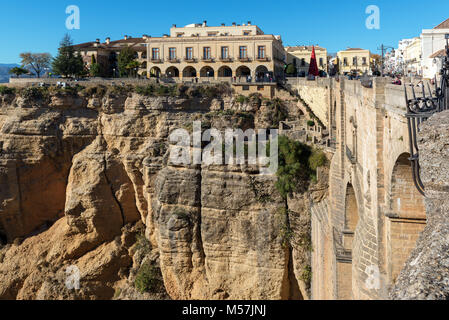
421	108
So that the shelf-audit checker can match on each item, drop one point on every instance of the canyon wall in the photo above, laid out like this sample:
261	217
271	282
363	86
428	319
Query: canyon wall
83	175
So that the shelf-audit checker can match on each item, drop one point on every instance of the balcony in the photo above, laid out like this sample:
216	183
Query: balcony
263	59
156	60
225	59
172	59
189	59
244	59
207	59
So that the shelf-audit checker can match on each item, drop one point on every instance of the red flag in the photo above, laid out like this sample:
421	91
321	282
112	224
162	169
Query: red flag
313	67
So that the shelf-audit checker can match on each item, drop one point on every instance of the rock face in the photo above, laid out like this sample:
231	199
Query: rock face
426	274
82	175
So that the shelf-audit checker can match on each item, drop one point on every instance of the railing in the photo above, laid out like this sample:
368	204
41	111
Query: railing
172	59
421	108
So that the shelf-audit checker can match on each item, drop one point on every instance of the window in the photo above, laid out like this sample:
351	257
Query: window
172	53
364	61
243	52
245	88
345	62
155	53
206	52
246	33
260	88
354	61
189	53
261	52
303	62
224	52
321	62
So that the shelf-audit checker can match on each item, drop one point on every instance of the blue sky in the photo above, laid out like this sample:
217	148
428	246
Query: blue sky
38	26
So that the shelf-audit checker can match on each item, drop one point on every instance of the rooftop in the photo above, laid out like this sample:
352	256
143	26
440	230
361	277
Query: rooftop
443	25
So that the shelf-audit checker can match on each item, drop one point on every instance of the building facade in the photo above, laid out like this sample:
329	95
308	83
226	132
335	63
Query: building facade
224	52
354	60
299	57
413	56
105	54
432	42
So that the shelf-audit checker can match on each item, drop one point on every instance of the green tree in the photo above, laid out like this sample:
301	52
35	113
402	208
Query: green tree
37	62
18	71
68	62
132	68
291	70
95	70
124	60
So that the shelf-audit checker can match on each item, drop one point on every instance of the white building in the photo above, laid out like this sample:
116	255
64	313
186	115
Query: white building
433	41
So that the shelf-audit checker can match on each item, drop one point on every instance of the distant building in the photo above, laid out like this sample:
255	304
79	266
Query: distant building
432	42
299	56
354	60
413	57
202	51
106	53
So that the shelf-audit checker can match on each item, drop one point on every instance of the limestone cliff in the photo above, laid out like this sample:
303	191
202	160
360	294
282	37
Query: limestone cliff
84	174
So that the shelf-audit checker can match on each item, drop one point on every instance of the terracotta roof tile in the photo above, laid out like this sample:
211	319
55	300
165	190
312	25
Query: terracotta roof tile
443	25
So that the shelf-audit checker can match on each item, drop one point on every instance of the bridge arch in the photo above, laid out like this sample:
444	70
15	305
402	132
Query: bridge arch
243	71
406	218
344	257
155	72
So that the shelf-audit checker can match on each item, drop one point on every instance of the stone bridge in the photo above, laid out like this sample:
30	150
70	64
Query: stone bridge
364	232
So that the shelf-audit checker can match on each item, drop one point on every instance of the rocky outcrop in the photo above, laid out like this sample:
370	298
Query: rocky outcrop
426	274
83	175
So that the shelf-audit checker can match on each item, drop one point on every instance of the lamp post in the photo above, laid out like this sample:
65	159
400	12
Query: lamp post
383	49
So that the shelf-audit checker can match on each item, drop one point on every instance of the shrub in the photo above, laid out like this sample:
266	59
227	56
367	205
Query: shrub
311	123
143	244
242	99
148	279
317	159
7	90
32	93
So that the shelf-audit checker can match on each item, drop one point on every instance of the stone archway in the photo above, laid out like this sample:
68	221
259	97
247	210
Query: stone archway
189	72
406	219
172	72
243	71
262	72
155	72
225	72
207	72
344	258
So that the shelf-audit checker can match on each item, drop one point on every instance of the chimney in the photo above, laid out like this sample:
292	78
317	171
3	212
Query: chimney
249	23
222	24
126	37
233	24
144	37
204	23
174	25
108	40
97	41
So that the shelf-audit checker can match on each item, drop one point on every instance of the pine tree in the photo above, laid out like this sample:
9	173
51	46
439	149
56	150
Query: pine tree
68	63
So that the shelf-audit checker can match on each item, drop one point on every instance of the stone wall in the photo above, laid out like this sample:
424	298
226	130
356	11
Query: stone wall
426	273
368	169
